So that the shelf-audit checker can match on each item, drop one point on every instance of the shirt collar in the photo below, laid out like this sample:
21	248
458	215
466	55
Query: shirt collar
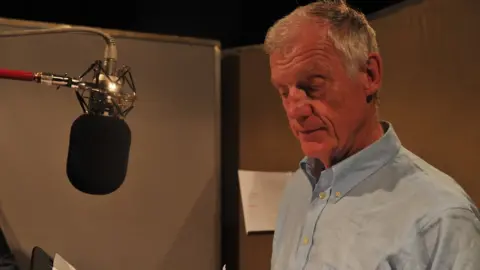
351	171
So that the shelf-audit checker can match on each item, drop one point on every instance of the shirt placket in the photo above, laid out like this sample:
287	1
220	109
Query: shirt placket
320	197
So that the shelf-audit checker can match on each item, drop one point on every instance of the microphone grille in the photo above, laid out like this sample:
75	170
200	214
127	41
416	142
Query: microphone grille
98	154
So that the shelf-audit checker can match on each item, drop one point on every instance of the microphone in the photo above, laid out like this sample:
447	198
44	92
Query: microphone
98	154
100	138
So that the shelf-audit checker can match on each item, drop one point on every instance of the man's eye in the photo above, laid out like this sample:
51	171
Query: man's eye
308	88
312	91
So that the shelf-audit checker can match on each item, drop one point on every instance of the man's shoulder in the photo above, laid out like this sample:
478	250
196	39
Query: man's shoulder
425	176
427	186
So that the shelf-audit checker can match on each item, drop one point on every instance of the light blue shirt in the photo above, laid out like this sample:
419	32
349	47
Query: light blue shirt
382	208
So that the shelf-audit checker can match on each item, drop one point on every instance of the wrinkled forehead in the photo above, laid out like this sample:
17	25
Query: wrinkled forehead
303	57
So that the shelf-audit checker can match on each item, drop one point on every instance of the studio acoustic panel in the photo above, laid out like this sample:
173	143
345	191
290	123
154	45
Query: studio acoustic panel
167	213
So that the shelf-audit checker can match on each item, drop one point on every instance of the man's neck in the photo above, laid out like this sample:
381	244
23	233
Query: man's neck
369	133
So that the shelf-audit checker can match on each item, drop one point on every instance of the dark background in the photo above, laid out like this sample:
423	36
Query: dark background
233	22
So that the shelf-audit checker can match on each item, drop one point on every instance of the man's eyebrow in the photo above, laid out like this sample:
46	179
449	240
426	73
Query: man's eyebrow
316	70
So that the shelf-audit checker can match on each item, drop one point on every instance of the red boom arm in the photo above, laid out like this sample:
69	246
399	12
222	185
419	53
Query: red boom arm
17	75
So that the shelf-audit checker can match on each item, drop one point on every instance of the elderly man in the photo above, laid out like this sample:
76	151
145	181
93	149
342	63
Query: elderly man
359	200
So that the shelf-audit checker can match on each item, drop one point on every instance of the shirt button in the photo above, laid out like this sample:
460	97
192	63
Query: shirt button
338	194
305	240
322	195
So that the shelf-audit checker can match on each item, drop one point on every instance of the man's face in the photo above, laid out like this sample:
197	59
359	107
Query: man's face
326	108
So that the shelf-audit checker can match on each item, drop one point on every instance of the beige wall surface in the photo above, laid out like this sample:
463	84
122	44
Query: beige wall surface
166	215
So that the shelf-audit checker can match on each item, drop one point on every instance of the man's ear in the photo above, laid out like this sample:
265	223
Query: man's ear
374	69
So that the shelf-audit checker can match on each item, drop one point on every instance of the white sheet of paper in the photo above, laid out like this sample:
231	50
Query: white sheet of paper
60	263
261	193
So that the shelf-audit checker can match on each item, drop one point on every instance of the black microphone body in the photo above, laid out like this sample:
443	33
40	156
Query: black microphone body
98	153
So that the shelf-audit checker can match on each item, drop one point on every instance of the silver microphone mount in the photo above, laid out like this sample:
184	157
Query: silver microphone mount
107	93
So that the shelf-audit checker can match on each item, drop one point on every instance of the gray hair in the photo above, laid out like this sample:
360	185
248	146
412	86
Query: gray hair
349	31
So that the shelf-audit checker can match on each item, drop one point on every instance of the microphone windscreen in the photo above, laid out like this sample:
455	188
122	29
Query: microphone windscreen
98	154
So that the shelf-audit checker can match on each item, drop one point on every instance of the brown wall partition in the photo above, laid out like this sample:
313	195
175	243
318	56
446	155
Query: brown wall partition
431	94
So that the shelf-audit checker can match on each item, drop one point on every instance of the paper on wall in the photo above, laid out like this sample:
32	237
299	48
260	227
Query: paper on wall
60	263
261	193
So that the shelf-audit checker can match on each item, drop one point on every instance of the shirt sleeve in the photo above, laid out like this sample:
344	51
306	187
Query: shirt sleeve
449	241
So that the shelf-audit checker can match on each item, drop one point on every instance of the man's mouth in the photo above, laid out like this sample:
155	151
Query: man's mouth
307	132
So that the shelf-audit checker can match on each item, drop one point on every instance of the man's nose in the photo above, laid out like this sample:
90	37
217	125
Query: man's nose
297	104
